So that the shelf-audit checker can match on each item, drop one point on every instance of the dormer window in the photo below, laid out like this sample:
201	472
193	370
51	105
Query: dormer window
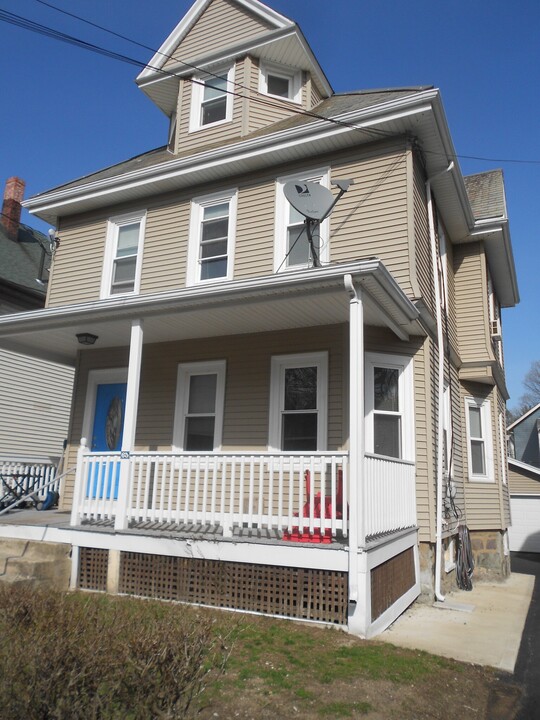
212	101
280	81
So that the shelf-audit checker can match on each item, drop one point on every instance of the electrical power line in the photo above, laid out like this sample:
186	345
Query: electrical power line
39	28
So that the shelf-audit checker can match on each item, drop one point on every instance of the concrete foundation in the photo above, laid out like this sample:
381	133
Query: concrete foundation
39	564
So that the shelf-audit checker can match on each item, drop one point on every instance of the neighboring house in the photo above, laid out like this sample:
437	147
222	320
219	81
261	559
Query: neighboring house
35	395
264	431
524	481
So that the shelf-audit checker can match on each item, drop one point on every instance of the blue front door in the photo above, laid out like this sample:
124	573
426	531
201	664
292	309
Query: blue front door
107	434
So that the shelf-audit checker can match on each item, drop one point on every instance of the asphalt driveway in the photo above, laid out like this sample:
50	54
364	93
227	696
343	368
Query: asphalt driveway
527	669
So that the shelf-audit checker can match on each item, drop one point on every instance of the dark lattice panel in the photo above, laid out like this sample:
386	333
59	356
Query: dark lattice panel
390	580
319	595
93	563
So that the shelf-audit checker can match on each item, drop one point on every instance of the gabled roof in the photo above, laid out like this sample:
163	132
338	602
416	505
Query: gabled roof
20	259
524	417
486	194
273	37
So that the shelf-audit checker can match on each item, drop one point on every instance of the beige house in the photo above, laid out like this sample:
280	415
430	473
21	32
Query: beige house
269	425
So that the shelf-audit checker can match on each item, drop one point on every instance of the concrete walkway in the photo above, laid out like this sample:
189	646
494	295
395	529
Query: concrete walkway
483	626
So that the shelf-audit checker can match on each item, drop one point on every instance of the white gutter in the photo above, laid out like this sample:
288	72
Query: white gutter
440	382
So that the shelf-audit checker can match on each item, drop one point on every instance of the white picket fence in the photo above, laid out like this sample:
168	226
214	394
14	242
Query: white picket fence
25	478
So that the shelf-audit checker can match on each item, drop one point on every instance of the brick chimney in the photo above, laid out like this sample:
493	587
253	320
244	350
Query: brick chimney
11	209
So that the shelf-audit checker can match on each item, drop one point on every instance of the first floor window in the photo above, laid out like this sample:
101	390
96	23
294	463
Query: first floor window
199	406
480	448
298	402
123	252
212	238
389	406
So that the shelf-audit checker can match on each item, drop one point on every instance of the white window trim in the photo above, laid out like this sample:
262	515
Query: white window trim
279	364
293	76
487	425
197	96
185	371
110	252
404	364
503	451
319	175
197	210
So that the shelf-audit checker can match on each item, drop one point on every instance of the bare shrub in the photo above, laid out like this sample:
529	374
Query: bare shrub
72	656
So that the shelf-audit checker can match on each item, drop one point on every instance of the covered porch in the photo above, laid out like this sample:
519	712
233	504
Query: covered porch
331	507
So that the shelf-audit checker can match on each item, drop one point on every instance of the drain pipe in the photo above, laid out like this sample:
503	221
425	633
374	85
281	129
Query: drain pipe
440	381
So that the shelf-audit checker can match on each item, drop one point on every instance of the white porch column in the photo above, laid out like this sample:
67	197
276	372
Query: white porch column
360	606
130	421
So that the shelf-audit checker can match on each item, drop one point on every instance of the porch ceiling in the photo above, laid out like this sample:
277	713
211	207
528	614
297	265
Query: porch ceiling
290	300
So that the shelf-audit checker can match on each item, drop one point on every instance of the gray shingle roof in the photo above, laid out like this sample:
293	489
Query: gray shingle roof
20	259
486	194
331	107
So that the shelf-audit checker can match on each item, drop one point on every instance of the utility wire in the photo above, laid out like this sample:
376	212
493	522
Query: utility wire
39	28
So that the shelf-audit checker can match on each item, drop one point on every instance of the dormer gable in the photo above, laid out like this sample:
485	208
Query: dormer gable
214	35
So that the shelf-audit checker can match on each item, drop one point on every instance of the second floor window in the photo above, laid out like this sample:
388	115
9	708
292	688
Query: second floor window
123	252
281	81
292	250
212	238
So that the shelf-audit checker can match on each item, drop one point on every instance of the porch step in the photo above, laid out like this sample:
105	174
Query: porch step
35	563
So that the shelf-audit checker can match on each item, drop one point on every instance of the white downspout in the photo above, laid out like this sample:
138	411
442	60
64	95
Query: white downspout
440	382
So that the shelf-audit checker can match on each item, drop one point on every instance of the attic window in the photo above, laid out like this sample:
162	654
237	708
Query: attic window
281	82
212	100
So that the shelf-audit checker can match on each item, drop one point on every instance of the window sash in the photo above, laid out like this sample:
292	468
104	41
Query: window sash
479	440
298	415
123	253
199	410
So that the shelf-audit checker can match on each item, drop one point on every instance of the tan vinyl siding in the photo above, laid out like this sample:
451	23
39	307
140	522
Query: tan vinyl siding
471	302
221	25
216	134
523	482
451	293
165	247
371	218
459	462
247	385
265	110
484	500
78	262
315	95
35	405
254	253
422	245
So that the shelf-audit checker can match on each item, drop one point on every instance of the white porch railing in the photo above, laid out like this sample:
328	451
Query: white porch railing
298	495
389	494
280	492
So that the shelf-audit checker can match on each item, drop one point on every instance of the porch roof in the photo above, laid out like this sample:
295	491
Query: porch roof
304	298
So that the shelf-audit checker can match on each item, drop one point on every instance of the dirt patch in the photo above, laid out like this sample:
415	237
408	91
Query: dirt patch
282	670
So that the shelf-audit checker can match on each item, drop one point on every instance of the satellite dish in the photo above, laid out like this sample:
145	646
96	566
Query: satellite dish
310	199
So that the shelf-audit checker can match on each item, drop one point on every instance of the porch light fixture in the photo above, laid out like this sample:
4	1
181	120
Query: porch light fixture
86	338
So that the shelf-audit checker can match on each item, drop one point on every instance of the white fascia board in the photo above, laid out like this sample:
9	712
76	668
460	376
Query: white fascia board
496	237
234	291
523	417
523	466
155	73
180	31
261	147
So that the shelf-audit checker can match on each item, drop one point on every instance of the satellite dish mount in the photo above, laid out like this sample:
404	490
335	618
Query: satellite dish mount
315	202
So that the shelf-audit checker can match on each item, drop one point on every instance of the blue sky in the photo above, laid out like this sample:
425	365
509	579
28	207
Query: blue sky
67	112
